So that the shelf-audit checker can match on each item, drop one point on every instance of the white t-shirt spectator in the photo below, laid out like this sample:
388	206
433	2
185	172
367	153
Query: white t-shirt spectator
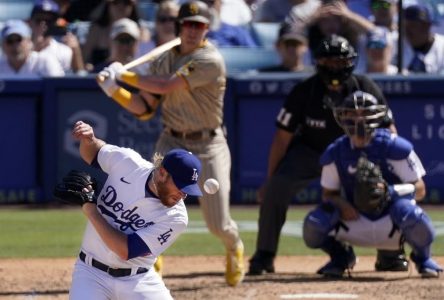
433	59
60	51
37	64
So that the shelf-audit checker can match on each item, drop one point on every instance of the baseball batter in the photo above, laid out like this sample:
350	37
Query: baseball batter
139	213
189	81
379	174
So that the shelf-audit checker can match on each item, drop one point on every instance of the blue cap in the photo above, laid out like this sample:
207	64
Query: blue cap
378	38
419	12
16	27
184	168
45	6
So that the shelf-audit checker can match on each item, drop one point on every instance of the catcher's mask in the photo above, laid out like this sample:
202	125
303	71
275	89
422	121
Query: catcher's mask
335	60
360	114
193	11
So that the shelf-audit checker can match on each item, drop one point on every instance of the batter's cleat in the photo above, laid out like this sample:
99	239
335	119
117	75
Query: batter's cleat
261	262
337	266
427	267
235	270
158	265
391	260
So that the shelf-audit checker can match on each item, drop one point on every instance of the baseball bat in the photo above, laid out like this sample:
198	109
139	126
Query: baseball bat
148	56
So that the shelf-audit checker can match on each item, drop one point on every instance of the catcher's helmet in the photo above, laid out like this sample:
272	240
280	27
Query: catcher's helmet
197	11
359	114
335	59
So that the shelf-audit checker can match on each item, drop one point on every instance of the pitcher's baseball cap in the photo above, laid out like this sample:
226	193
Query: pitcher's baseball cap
127	26
184	168
16	27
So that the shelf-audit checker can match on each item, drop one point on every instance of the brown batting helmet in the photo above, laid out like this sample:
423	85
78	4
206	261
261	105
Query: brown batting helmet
197	11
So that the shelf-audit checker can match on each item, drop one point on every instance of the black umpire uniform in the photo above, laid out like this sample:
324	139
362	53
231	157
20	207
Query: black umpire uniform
307	115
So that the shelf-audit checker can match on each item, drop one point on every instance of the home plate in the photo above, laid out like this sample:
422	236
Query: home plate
320	296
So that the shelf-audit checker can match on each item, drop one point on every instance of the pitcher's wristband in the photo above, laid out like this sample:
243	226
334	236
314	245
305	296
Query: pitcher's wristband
129	77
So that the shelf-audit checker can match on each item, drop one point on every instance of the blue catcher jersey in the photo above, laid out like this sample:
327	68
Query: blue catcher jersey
394	155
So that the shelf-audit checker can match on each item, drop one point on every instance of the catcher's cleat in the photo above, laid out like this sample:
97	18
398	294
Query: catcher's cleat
391	260
158	265
427	267
337	266
261	262
235	270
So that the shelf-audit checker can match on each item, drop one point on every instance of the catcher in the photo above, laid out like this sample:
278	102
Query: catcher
380	177
138	214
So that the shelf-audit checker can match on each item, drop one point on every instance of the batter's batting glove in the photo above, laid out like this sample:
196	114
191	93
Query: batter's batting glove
109	85
77	188
118	69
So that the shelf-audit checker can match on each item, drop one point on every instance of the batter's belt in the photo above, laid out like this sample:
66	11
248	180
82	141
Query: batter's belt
193	135
113	272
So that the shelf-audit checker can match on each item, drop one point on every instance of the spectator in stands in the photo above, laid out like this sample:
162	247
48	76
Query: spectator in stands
18	59
97	45
291	46
427	47
379	52
76	10
236	12
125	35
50	36
334	17
164	25
302	14
384	14
277	10
225	35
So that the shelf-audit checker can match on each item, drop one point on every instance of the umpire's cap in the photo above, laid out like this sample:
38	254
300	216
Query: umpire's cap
197	11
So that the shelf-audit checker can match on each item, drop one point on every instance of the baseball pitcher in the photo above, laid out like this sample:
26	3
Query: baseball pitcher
137	215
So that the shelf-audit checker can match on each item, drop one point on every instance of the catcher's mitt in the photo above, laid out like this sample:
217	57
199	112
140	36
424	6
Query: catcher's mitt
370	193
72	189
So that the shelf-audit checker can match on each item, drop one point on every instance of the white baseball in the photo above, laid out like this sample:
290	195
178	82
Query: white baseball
211	186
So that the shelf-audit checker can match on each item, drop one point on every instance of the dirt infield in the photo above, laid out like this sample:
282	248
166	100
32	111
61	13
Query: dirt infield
200	277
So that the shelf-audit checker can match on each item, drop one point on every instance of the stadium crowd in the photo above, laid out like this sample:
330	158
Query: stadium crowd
85	36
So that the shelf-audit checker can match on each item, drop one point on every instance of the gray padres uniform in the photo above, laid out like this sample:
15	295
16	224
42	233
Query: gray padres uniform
198	110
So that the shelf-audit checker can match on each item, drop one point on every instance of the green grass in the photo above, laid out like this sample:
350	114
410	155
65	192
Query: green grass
58	233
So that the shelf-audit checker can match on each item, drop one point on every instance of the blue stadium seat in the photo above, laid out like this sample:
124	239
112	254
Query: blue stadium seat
17	9
265	33
241	59
147	9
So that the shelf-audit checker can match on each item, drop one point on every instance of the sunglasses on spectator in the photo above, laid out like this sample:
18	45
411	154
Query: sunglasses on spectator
47	20
381	5
14	40
165	19
125	2
125	40
292	43
194	25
